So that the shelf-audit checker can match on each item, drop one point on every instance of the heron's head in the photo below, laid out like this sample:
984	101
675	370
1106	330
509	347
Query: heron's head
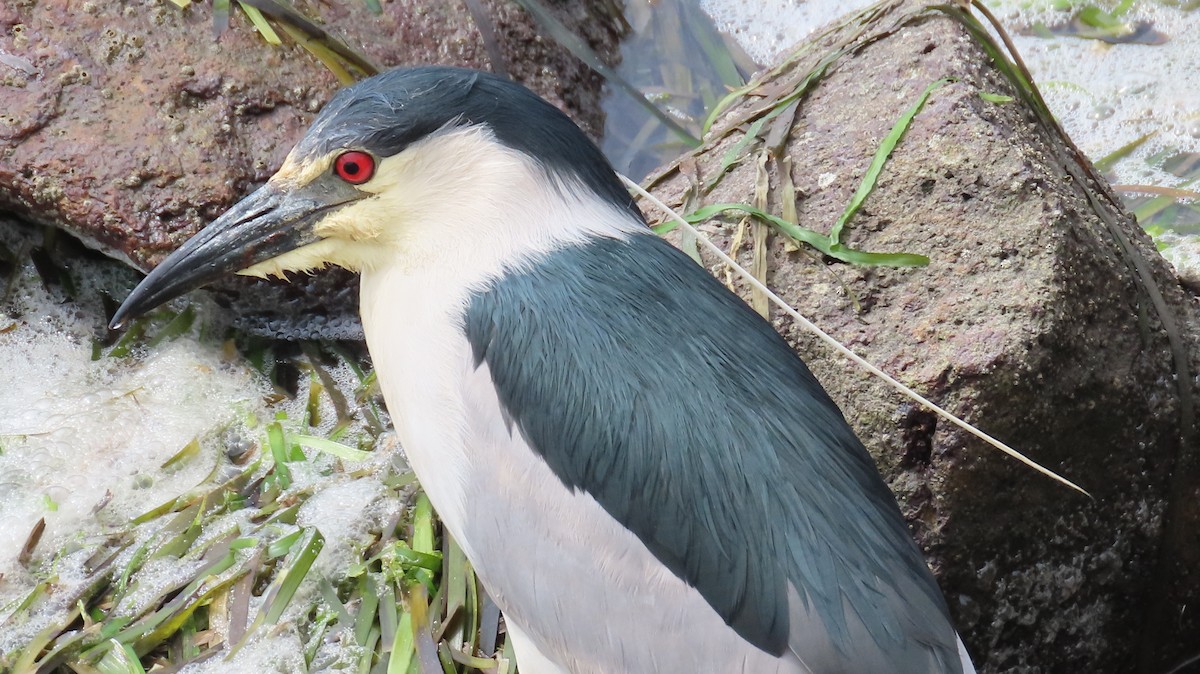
402	167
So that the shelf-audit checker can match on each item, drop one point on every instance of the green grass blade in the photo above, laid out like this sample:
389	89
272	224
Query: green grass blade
283	546
120	659
814	239
996	98
189	451
1105	163
287	16
423	525
176	327
260	23
389	615
330	595
369	593
291	579
279	452
124	345
331	447
881	156
321	52
220	17
403	646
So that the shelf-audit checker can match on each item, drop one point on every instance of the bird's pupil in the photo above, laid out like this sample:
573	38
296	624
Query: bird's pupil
354	167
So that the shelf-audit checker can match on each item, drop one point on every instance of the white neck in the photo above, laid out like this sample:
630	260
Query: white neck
459	209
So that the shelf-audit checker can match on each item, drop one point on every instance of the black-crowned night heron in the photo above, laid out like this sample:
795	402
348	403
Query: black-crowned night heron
644	475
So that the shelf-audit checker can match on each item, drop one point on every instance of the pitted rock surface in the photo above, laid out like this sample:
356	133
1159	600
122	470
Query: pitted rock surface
132	126
1045	316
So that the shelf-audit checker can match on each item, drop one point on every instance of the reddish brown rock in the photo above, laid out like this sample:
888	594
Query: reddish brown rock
131	126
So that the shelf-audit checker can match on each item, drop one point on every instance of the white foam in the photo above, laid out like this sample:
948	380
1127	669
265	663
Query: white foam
281	653
1104	95
766	29
76	432
1109	95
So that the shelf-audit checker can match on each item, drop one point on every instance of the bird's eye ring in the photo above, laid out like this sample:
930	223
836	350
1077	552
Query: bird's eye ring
354	167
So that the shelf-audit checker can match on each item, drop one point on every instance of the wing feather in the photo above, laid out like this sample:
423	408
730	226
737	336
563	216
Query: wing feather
643	382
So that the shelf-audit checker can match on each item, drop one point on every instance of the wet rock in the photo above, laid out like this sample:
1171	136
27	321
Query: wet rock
1045	317
130	125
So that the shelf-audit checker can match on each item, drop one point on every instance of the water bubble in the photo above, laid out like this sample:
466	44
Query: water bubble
1101	112
58	493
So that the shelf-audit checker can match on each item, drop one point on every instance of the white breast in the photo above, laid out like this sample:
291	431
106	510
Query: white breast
583	590
581	587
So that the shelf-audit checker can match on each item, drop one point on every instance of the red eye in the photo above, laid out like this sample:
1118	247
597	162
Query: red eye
354	167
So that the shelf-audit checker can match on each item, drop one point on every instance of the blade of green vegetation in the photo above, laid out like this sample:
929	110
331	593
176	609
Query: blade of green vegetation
321	52
403	646
1108	161
423	525
260	23
454	583
508	659
189	451
279	453
738	151
279	597
758	235
136	329
370	641
418	604
171	618
282	546
815	239
369	593
996	98
120	659
288	15
220	17
329	593
176	327
331	447
881	156
35	646
775	106
239	600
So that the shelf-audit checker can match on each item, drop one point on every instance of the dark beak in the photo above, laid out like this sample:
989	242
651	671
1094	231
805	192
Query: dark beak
265	224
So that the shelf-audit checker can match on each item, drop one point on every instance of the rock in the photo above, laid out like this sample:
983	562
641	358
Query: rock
1045	317
129	125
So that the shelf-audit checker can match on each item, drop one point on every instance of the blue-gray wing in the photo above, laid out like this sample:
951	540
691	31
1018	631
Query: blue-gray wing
642	381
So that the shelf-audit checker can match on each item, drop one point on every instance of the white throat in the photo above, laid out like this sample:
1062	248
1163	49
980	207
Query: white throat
461	209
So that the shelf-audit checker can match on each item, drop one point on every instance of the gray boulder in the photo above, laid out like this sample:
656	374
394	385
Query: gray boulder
1045	317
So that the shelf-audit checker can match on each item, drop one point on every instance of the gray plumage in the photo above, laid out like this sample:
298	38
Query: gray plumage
387	113
644	475
646	384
